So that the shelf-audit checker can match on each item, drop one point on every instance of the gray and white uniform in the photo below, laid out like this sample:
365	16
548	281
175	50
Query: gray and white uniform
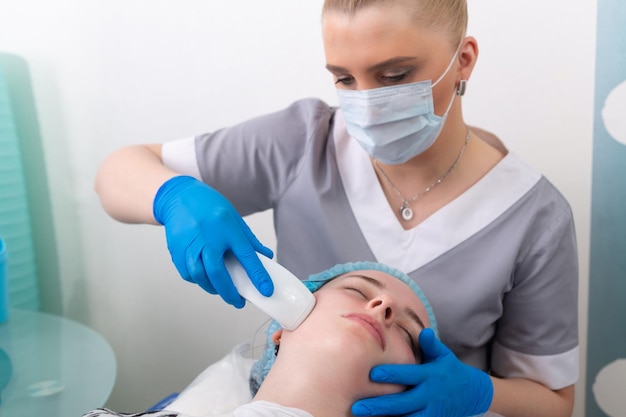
498	264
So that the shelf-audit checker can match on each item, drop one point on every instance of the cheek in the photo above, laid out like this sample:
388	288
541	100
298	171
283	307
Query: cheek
402	352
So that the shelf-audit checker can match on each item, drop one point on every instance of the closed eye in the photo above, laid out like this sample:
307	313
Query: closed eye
358	291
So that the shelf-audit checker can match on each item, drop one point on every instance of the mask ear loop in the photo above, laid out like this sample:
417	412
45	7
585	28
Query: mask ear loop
456	53
445	114
460	90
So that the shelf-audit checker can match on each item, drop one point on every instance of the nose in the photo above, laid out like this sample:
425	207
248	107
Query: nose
384	305
366	85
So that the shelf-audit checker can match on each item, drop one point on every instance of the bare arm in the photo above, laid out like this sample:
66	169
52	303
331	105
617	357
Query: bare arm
128	180
516	397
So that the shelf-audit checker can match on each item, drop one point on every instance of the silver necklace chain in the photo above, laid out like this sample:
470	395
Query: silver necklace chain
405	210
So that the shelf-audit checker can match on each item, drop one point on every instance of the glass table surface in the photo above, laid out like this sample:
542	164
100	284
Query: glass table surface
52	366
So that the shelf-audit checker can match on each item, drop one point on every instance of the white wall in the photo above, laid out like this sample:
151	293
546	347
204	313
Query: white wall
112	73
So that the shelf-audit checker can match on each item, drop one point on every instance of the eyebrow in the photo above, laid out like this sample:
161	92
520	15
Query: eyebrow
407	310
375	67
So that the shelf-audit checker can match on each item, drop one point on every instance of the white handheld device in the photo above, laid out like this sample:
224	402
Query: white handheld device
291	301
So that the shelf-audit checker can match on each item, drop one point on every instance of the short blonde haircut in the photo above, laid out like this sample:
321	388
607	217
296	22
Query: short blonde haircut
446	15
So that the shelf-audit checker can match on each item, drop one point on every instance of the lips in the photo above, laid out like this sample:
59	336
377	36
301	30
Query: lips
371	325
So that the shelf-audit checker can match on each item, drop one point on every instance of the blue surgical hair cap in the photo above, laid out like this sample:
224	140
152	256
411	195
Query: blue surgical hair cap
314	282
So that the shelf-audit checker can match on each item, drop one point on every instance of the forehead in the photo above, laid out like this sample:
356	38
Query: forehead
401	293
377	33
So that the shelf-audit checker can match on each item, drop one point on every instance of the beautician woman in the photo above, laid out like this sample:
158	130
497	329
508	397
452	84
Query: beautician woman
393	175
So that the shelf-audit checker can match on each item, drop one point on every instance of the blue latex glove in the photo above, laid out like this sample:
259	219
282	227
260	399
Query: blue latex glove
201	225
442	386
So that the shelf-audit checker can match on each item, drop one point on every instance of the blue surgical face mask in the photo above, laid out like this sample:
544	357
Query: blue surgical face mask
394	124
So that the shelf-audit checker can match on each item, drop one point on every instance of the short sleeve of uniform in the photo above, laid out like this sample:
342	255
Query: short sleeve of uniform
537	336
254	162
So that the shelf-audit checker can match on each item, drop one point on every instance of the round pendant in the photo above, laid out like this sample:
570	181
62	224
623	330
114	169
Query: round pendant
407	213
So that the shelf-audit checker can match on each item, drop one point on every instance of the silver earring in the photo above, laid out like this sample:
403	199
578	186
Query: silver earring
460	90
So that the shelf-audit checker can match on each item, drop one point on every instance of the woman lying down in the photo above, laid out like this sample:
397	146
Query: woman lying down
364	316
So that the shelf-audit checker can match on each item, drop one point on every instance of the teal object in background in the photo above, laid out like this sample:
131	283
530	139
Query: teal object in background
6	371
60	368
4	287
15	225
21	144
606	348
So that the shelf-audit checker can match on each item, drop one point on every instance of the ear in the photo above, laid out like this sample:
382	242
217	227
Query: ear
276	336
468	54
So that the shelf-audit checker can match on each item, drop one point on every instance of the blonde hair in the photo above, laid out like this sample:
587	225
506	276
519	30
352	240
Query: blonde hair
446	15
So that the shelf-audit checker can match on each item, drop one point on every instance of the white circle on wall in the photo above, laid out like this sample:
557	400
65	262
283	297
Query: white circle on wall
614	113
608	389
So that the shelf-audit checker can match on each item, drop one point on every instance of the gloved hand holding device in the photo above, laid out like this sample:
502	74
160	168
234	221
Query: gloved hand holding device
442	386
201	225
